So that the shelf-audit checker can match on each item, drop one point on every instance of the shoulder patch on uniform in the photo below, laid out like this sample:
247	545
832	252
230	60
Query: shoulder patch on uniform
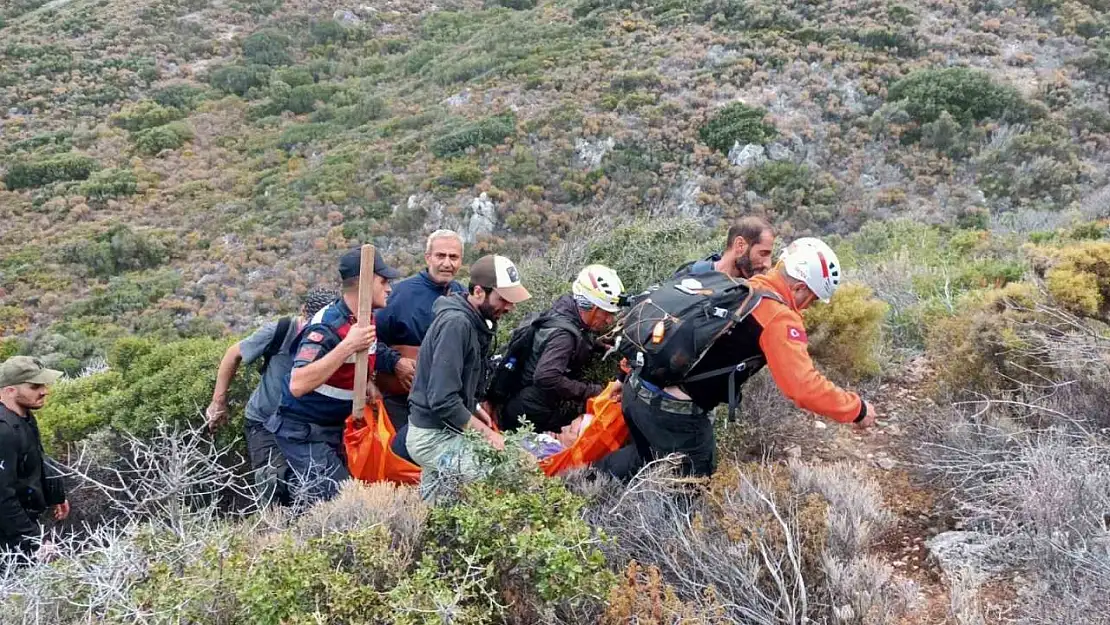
314	336
795	333
308	352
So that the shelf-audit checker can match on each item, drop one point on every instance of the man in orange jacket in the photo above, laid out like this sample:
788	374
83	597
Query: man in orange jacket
669	419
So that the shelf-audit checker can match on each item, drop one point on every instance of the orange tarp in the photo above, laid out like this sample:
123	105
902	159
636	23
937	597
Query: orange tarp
369	457
604	435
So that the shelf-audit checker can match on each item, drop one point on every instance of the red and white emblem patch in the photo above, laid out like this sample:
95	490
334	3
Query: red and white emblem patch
314	337
308	353
796	334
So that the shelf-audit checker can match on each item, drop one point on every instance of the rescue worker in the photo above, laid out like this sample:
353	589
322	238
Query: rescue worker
319	392
747	252
406	317
676	418
451	370
552	392
28	483
272	343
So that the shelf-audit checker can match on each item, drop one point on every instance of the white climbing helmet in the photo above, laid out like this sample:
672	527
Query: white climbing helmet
599	286
814	263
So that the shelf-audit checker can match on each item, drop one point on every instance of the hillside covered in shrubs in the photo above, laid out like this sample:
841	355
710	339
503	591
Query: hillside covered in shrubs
184	166
173	172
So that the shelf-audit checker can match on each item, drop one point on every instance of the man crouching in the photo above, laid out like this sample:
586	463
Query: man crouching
450	371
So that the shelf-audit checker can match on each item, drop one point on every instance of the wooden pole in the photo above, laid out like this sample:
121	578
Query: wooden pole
364	315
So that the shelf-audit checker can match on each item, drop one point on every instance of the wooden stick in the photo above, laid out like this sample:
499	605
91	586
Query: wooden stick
364	315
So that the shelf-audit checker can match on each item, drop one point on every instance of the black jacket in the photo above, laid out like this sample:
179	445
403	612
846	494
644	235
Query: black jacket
27	483
553	393
451	367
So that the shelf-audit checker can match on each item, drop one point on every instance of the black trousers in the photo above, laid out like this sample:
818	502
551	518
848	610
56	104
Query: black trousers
544	413
660	426
397	407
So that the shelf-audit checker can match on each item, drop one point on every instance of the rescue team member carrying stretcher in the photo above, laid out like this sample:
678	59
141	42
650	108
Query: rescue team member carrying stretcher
693	340
408	314
451	368
318	395
549	351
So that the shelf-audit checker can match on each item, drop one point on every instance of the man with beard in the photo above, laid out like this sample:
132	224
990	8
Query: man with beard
407	316
747	251
451	369
28	483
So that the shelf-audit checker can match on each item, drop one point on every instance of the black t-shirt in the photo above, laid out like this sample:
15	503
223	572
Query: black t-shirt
738	345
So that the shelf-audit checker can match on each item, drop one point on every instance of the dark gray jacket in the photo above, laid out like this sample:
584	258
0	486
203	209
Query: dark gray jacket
451	367
28	485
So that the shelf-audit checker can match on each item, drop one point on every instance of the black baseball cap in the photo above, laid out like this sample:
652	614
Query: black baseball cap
351	262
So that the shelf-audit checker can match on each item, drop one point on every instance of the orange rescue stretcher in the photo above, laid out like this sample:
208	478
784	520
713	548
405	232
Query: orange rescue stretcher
370	458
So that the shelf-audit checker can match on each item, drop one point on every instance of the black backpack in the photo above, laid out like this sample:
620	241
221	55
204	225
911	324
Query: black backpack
507	368
671	326
274	346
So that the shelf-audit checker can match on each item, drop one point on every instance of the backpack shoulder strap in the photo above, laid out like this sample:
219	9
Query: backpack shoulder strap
556	321
276	341
751	300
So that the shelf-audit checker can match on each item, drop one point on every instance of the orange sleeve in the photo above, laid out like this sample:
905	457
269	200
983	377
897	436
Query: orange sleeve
784	345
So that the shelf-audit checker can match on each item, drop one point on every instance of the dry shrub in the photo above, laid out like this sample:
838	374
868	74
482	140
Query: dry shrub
865	590
972	348
750	525
855	509
750	545
846	334
643	597
360	505
1029	472
1078	276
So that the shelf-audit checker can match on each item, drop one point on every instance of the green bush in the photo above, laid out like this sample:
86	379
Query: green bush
366	110
302	98
171	382
531	545
110	183
967	95
488	131
328	31
1078	277
460	173
239	79
145	114
268	47
182	96
37	173
124	294
635	81
338	578
520	172
300	134
169	137
777	175
795	191
979	348
116	251
60	141
846	334
516	5
77	408
1042	166
882	39
736	123
294	76
71	345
